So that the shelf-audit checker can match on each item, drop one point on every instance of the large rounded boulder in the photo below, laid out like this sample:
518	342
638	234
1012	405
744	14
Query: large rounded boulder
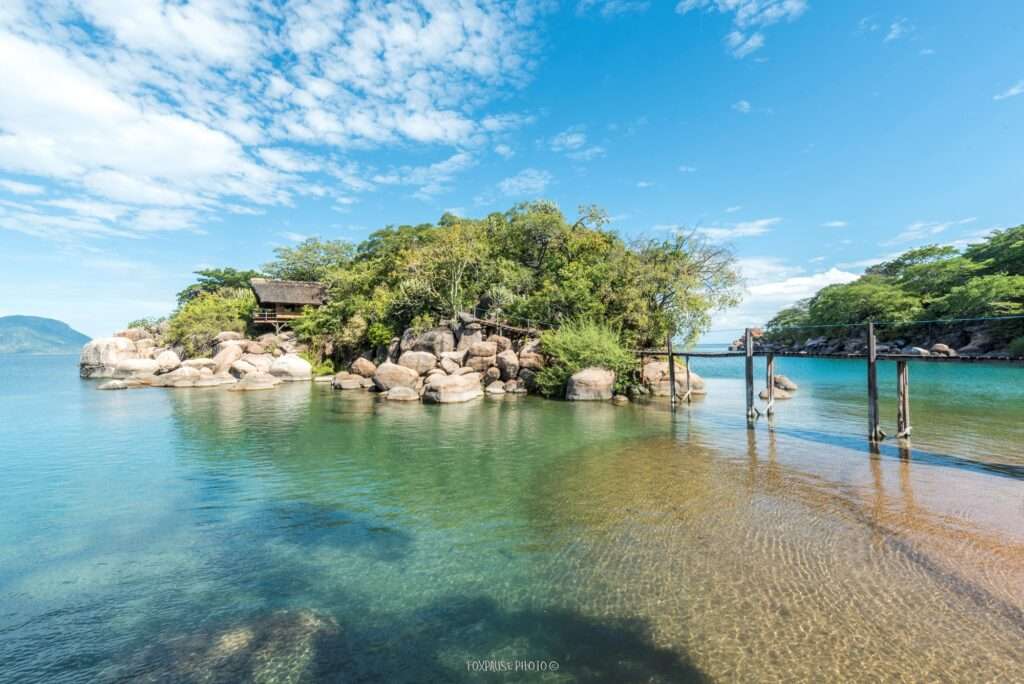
291	367
99	357
657	379
590	384
452	389
436	341
390	375
364	367
419	361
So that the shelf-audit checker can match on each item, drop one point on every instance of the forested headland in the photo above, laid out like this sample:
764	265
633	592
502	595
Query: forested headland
925	296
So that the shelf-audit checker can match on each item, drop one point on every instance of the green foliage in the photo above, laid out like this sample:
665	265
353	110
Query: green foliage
197	322
320	366
1016	347
578	345
928	283
525	265
152	323
311	259
214	279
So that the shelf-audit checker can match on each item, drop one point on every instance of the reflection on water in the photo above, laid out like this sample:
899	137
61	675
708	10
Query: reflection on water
298	534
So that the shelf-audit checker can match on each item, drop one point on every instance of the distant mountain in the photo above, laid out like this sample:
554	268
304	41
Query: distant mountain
34	335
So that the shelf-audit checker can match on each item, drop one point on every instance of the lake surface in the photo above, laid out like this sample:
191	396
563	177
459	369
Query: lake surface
305	534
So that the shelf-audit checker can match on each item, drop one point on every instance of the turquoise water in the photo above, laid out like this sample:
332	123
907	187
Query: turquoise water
305	534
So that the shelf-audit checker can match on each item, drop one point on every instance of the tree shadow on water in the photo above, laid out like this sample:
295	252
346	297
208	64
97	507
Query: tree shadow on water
431	644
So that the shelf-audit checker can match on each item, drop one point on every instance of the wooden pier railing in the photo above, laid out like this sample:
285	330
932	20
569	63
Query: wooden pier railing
875	432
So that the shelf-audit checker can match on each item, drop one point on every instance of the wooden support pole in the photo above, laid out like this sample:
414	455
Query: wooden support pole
770	379
689	389
748	344
875	433
903	399
671	372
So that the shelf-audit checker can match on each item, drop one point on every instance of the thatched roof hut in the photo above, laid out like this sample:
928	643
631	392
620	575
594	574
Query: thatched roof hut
283	300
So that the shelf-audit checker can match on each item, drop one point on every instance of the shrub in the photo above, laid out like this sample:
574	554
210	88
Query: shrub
579	345
1016	347
197	322
324	367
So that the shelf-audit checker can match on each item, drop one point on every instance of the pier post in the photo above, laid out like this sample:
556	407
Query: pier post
903	399
770	379
875	433
689	390
672	372
748	346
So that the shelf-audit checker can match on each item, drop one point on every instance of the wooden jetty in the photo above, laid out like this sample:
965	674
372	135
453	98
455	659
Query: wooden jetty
872	357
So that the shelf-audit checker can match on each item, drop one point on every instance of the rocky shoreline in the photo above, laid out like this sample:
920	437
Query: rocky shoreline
971	343
451	363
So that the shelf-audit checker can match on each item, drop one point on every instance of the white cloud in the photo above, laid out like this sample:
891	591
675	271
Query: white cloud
21	188
733	209
294	237
772	286
203	106
644	184
526	182
746	16
834	224
1013	91
429	180
609	8
741	106
897	29
738	230
741	44
922	230
570	139
587	153
504	151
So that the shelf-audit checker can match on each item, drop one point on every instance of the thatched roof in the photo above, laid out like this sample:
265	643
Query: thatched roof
287	292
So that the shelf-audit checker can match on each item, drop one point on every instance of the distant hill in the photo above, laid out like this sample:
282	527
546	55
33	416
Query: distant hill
34	335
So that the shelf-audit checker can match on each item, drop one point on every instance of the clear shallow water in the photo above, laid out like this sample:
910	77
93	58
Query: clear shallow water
203	535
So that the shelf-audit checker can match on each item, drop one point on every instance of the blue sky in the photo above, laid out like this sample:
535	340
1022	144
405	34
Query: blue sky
141	141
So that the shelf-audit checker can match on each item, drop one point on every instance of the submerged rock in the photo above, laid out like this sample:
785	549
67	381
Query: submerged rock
784	383
285	646
590	384
254	383
113	385
779	394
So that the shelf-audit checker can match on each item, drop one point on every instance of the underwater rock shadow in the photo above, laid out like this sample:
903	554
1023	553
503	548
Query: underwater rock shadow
312	525
430	644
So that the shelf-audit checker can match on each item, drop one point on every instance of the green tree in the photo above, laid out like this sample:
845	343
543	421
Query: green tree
214	279
198	321
309	260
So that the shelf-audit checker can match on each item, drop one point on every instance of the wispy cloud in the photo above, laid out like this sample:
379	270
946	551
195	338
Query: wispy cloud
739	230
747	15
18	188
644	184
1013	91
504	151
897	29
733	209
529	182
609	8
294	237
687	169
921	230
741	106
268	93
834	224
